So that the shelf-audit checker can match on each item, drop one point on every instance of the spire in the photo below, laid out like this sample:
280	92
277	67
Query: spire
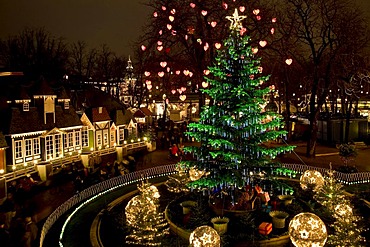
129	67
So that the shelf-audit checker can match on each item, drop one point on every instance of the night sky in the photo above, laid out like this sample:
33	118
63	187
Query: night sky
116	23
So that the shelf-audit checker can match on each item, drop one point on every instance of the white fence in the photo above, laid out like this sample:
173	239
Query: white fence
345	178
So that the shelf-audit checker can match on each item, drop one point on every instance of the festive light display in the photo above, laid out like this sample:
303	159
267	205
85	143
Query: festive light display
148	226
232	131
204	236
346	231
311	178
307	230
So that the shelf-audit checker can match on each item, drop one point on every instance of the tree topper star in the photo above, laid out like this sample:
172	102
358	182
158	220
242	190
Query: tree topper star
236	20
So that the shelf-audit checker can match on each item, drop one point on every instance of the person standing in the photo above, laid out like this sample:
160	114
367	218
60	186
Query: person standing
30	233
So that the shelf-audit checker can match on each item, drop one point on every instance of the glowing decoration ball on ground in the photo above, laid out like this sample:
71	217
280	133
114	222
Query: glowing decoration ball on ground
311	178
204	236
307	230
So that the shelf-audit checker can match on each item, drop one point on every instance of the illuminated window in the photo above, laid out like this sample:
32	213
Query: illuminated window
105	137
85	137
66	144
49	147
112	136
66	104
121	133
36	145
26	106
28	147
78	138
58	145
70	139
98	139
18	149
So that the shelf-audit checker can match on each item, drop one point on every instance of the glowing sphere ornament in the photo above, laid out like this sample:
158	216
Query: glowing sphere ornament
307	230
311	178
204	236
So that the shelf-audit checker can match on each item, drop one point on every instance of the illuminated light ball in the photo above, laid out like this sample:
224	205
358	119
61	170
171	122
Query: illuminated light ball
311	178
343	210
307	230
204	236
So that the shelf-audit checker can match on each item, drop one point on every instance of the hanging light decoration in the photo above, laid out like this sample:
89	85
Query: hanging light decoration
307	230
204	236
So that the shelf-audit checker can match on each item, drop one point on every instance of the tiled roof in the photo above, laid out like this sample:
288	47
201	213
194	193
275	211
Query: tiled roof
98	114
33	120
143	112
3	143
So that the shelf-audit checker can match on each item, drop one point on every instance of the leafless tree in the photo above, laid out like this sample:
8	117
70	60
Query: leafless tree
318	32
35	52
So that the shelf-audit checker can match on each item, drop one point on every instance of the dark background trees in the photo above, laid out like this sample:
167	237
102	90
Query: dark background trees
316	35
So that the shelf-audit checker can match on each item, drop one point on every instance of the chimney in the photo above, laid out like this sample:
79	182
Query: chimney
100	110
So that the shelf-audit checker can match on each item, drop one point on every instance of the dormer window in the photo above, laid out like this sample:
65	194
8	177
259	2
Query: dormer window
26	106
66	105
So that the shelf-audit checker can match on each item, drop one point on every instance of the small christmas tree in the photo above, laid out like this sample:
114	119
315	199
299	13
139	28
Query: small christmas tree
333	197
148	226
234	129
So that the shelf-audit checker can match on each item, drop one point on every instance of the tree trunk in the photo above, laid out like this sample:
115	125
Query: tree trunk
348	118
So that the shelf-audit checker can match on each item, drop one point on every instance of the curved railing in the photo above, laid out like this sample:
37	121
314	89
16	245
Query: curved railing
96	189
116	182
345	178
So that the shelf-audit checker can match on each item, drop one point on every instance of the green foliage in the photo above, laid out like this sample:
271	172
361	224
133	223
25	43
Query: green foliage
347	151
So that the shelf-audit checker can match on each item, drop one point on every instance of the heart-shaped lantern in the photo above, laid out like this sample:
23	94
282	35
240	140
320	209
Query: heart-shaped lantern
204	12
258	17
169	26
183	97
256	11
149	86
164	8
160	48
273	20
192	5
163	64
206	46
143	47
173	11
183	89
171	18
224	5
148	82
147	73
206	72
161	74
260	69
289	61
272	30
213	23
217	45
241	8
204	84
155	14
254	50
263	43
160	32
186	72
173	91
186	37
159	42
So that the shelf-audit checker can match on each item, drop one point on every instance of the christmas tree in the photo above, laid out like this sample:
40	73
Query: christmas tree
234	129
148	226
346	231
